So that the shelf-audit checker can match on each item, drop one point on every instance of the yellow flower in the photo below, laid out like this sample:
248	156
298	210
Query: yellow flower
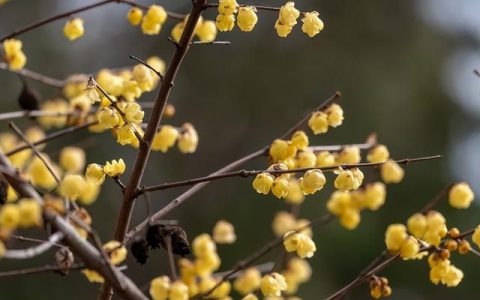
312	181
135	16
410	248
58	106
335	115
436	228
339	202
300	243
178	291
348	179
116	252
247	18
187	139
160	288
350	218
280	187
288	14
476	236
248	281
283	30
126	135
9	216
90	192
153	20
325	159
131	90
177	31
30	212
312	24
72	159
225	22
300	269
165	138
283	223
281	150
206	31
134	113
417	225
378	154
395	236
108	116
460	195
374	195
273	284
39	173
158	65
93	276
72	186
73	29
95	173
227	7
203	245
300	140
114	168
318	122
150	28
207	264
250	297
295	194
306	159
391	172
262	183
224	233
14	55
144	77
349	155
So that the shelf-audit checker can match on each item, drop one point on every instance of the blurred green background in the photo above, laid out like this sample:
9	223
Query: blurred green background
392	61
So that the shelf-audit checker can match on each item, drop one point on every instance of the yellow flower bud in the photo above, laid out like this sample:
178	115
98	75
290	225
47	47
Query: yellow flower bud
93	276
460	195
417	225
339	202
156	14
177	31
206	31
165	138
300	269
135	16
95	173
30	212
288	14
295	194
14	56
378	154
203	245
225	22
247	18
280	187
72	186
187	139
224	233
410	248
312	181
72	159
281	150
348	179
58	106
349	155
306	159
114	168
39	173
115	251
160	288
248	281
262	183
144	77
250	297
325	159
108	116
126	135
283	30
374	195
312	24
391	172
283	223
300	140
90	192
395	236
350	218
227	7
134	113
73	29
273	284
318	122
9	216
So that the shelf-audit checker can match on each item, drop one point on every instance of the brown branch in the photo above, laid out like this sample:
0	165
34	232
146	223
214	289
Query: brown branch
193	190
171	258
90	256
227	43
34	76
146	65
68	13
245	173
37	270
34	149
52	136
123	219
430	204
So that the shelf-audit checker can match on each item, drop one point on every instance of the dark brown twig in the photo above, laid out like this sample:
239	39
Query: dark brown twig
37	270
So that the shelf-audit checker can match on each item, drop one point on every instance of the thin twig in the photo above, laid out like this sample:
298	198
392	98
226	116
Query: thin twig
32	240
146	65
430	204
171	259
52	136
35	113
43	269
228	43
36	250
258	7
34	76
47	164
249	173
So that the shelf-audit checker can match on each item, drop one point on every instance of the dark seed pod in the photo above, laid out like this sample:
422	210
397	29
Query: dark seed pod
64	259
139	250
29	98
158	234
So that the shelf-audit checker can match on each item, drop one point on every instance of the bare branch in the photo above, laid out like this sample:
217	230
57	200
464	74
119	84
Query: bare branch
34	251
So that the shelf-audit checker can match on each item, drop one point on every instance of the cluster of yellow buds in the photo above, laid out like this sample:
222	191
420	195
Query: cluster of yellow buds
73	29
116	252
287	19
399	241
285	222
298	271
248	281
300	243
226	15
224	233
205	30
379	287
161	288
153	20
9	142
442	270
25	213
96	172
348	179
348	205
430	228
273	284
321	120
13	54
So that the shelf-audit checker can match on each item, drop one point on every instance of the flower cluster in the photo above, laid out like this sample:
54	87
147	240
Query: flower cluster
13	54
379	287
300	243
287	19
205	30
